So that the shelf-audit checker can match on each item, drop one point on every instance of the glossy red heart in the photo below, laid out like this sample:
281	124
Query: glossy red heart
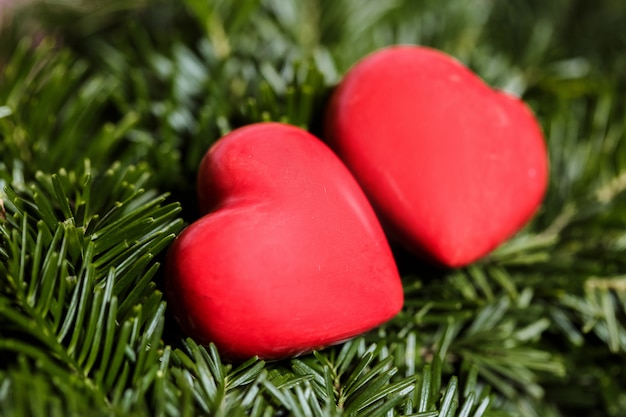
290	256
452	167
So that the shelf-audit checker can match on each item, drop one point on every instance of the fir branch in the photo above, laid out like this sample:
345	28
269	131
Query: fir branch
88	316
50	98
537	329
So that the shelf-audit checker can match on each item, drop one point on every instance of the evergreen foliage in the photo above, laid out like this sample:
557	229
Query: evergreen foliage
105	112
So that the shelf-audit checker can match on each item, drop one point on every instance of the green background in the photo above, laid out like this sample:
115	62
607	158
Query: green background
105	111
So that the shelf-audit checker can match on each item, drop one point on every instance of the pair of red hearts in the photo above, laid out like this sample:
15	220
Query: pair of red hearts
291	255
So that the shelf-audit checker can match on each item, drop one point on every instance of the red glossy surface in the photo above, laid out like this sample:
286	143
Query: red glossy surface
291	256
452	167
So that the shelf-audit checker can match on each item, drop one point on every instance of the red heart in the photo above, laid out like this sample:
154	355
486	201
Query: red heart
452	167
290	258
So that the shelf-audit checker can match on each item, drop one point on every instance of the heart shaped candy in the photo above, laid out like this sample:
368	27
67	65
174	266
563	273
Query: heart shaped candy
452	167
291	256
